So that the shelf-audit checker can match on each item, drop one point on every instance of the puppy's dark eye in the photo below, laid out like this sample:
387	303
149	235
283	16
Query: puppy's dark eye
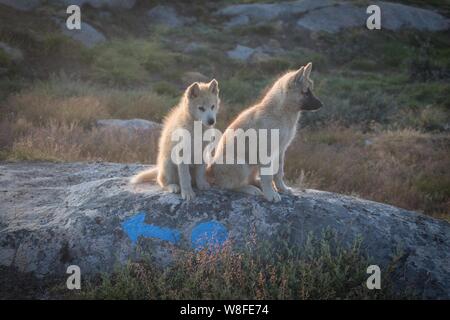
202	109
212	107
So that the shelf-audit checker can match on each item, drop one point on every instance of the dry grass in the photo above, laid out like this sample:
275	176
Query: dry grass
405	168
41	108
67	100
71	142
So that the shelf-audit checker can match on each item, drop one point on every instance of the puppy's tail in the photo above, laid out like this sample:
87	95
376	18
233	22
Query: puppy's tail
210	175
145	176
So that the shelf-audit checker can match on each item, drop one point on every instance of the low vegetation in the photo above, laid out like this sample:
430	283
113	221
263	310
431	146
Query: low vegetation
321	269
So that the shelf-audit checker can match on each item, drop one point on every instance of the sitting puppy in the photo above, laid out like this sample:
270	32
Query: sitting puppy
200	102
279	109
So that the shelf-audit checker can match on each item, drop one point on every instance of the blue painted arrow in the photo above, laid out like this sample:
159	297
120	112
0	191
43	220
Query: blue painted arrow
209	234
135	227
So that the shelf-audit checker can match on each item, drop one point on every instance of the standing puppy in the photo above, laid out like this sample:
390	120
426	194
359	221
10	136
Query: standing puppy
279	109
200	102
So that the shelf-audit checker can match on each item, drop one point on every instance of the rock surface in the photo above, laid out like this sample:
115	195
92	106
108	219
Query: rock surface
136	124
255	55
14	54
119	4
262	12
193	47
394	16
22	5
237	21
240	52
27	5
193	76
87	35
168	17
87	214
333	16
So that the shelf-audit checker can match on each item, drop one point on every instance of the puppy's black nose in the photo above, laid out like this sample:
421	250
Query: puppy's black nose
211	122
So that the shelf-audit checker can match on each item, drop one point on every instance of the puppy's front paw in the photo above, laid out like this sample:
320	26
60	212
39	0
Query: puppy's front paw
286	190
187	194
174	188
203	185
282	187
273	197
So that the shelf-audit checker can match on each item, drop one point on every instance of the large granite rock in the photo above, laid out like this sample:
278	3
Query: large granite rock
87	214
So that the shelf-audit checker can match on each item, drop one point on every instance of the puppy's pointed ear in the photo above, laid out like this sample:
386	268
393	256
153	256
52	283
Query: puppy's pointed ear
193	90
298	76
308	68
214	86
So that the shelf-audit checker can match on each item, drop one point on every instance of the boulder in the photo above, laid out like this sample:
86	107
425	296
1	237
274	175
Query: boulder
193	76
334	19
333	16
259	57
263	12
27	5
241	53
87	214
394	16
168	17
256	55
129	124
193	47
87	35
112	4
22	5
237	21
13	54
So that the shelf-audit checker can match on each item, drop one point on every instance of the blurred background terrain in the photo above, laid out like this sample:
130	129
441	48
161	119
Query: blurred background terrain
383	134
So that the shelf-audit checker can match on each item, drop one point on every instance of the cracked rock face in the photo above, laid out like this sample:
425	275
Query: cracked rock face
55	215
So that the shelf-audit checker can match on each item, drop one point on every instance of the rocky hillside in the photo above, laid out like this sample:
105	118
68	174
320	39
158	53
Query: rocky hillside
164	47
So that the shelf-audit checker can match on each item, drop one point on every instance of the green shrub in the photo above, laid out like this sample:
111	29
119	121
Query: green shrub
125	62
166	88
238	91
